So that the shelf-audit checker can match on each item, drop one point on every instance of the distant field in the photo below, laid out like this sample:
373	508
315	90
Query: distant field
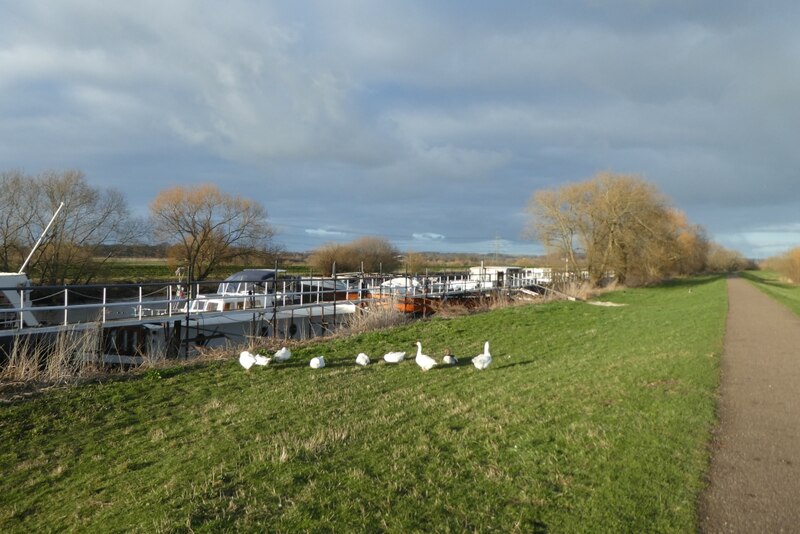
770	283
137	270
590	419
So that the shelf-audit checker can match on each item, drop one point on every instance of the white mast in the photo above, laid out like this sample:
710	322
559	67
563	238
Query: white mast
52	220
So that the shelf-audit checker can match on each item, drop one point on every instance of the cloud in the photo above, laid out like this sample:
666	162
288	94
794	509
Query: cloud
428	236
325	232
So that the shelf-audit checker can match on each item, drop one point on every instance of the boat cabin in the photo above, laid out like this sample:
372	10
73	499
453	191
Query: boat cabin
251	288
15	295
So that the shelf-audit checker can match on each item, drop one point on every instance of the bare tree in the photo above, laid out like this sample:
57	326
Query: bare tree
70	253
372	254
91	217
611	222
323	257
209	226
724	260
414	262
16	217
556	221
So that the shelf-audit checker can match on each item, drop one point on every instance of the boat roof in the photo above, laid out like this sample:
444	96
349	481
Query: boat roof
253	275
12	280
244	281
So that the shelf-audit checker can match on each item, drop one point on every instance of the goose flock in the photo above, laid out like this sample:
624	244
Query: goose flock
424	361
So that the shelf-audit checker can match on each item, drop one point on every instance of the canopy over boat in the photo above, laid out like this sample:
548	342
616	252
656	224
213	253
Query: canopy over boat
246	282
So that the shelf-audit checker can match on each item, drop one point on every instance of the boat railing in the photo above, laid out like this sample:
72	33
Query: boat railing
93	303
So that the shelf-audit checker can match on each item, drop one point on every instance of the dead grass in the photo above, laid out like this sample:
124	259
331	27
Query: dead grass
450	310
374	318
576	290
71	355
494	301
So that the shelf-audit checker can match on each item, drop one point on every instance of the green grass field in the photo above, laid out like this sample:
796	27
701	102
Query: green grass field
770	283
590	419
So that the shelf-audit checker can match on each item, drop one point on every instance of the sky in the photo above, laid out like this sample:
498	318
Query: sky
430	123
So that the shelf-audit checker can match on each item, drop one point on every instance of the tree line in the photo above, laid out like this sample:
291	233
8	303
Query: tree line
203	227
611	223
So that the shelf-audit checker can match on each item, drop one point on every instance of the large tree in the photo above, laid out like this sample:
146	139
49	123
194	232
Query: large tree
610	223
209	226
71	251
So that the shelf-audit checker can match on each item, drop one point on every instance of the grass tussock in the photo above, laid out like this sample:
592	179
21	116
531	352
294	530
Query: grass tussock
374	318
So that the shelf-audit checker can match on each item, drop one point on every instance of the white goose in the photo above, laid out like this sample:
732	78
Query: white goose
283	354
318	362
246	360
482	361
423	360
394	357
262	360
362	359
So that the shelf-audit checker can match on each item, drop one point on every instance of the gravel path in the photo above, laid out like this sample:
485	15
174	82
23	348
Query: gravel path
754	482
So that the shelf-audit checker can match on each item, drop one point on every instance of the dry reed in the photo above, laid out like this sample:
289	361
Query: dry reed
66	356
374	318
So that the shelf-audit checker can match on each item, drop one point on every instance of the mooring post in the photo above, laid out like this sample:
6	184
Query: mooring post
188	309
335	290
425	295
275	301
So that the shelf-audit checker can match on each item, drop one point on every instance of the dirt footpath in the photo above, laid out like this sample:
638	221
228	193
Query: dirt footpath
754	479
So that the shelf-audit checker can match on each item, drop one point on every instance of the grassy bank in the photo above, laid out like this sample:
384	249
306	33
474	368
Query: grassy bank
590	419
770	283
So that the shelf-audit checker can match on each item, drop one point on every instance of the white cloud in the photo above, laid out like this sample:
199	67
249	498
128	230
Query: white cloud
428	236
325	232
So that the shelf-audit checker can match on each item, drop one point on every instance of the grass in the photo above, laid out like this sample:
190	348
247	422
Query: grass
770	283
590	419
